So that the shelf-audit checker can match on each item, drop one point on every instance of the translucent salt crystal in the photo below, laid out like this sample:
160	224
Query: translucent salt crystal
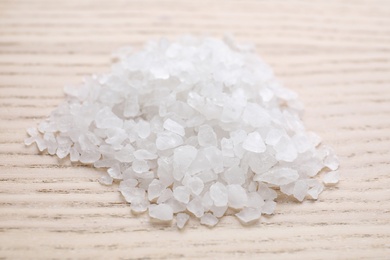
143	129
265	192
273	136
235	175
132	194
195	185
314	138
237	196
200	163
207	136
207	176
254	200
183	156
219	194
168	140
140	166
115	172
301	142
176	206
254	143
89	156
74	155
268	207
209	220
331	161
288	189
278	176
331	177
195	207
140	205
285	150
227	147
266	94
207	202
255	115
174	127
125	155
32	131
214	156
238	136
143	154
155	189
129	183
63	147
218	211
50	142
232	111
261	163
29	141
105	118
182	219
162	212
106	180
131	108
182	194
248	215
315	190
300	190
115	136
165	195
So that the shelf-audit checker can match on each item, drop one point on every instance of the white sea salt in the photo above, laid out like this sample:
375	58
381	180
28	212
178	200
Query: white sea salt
198	127
162	212
182	219
209	219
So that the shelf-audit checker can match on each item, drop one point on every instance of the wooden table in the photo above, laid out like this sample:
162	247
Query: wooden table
335	54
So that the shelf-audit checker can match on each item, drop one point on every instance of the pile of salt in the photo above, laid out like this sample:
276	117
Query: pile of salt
197	126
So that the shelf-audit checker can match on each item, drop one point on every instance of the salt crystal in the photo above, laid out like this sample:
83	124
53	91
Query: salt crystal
182	194
209	220
237	196
106	180
218	211
182	219
155	189
254	143
174	127
164	196
285	150
219	194
235	175
195	184
115	172
140	166
143	154
143	129
105	118
300	190
162	212
195	207
331	177
183	156
168	140
248	215
207	136
268	207
278	176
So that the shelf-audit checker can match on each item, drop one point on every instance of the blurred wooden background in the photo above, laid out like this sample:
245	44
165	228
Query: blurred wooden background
335	54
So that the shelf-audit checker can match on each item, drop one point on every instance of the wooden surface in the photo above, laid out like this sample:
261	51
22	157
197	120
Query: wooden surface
335	54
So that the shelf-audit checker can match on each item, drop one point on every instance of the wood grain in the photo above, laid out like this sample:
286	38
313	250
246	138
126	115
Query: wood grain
335	54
